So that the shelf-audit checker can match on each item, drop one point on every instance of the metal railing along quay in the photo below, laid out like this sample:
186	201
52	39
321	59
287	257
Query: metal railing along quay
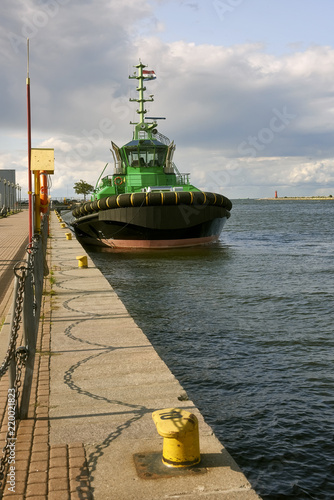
24	322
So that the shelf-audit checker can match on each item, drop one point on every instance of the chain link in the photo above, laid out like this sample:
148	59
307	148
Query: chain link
21	356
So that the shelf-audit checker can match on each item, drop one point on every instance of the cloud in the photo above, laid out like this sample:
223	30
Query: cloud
261	176
254	117
235	91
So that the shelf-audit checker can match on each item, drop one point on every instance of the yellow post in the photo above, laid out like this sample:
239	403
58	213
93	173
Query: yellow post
63	225
37	203
82	261
68	236
179	428
40	159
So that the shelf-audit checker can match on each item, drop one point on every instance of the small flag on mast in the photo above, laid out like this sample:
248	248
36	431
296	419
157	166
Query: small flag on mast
148	75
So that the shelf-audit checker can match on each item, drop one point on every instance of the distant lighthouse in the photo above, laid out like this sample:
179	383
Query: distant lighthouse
275	194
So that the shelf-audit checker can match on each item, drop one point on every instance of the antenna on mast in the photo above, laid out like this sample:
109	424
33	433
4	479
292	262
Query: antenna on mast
141	126
27	57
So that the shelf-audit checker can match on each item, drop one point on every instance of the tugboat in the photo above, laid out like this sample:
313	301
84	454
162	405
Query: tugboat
147	202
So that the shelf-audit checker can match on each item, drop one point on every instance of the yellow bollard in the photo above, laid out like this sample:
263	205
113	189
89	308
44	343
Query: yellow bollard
68	236
63	225
82	261
179	428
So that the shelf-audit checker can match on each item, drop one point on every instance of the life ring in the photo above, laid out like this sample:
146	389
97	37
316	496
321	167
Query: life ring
118	181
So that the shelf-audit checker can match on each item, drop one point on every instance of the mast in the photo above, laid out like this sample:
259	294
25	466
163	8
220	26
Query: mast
29	149
141	126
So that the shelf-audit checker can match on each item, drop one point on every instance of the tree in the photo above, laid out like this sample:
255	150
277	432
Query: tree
83	187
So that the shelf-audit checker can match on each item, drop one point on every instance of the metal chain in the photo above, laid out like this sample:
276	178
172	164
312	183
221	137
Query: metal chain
32	258
21	273
19	354
17	318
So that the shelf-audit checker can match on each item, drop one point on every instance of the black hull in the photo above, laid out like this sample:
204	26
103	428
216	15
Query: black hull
152	226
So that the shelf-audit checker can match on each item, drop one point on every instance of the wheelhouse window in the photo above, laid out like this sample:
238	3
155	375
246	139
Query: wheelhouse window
132	156
146	156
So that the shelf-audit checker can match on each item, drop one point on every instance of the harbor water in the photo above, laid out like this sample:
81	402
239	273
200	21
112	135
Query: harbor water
246	325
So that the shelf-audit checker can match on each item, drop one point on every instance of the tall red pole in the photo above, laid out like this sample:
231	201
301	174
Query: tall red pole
29	151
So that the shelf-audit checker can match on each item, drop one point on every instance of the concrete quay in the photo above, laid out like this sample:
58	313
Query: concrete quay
97	381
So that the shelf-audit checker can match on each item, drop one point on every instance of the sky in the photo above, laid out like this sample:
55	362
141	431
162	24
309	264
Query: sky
246	87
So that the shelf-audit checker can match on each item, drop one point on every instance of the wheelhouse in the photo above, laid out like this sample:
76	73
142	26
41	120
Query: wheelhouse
144	153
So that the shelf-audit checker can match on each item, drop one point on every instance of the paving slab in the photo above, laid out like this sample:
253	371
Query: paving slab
14	237
106	380
14	231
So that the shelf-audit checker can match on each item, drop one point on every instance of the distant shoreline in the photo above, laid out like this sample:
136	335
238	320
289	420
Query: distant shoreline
283	198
